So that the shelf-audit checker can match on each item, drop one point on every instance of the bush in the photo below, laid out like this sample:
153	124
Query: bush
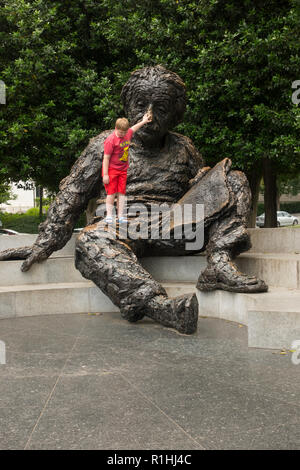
291	207
46	201
29	223
35	211
22	223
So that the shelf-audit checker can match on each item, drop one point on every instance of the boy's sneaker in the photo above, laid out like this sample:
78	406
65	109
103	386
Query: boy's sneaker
123	220
108	220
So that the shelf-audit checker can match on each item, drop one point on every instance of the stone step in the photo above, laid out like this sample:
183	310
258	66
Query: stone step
235	306
28	239
275	240
273	318
267	240
58	298
273	329
276	269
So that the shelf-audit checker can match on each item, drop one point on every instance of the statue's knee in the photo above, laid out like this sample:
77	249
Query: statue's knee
238	181
89	243
241	189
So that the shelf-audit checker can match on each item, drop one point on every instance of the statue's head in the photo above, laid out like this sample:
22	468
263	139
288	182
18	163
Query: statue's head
161	89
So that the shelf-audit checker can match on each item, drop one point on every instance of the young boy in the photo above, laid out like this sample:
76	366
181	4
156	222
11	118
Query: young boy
116	162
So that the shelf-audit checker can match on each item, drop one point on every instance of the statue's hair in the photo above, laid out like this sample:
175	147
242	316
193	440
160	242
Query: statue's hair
156	74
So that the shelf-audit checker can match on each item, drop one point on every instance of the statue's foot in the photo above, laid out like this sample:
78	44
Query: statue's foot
132	314
228	277
180	313
185	308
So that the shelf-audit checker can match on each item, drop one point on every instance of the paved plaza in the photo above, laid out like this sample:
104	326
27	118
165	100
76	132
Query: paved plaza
84	381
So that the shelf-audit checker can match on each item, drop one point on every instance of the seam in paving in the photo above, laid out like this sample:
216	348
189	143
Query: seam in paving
157	407
52	391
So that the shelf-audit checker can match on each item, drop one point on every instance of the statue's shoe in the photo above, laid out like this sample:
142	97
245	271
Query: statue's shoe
132	314
185	308
180	313
229	279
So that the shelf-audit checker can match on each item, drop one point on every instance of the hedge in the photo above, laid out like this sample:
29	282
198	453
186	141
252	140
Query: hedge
291	207
25	223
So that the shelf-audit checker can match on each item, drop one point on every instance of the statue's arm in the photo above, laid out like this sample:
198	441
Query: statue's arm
75	191
197	166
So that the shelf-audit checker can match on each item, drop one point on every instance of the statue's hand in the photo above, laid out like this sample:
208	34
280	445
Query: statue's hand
31	254
15	253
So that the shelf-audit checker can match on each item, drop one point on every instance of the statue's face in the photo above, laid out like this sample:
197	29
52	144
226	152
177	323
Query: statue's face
161	97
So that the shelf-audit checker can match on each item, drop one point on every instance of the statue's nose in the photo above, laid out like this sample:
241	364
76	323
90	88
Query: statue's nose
150	110
153	123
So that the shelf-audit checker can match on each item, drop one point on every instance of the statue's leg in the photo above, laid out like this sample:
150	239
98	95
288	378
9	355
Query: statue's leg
228	237
112	265
225	232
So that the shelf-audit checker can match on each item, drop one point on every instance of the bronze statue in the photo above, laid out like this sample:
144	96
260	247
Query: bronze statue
165	167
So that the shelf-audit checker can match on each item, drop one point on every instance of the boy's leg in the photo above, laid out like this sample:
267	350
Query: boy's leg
111	191
110	198
120	204
121	190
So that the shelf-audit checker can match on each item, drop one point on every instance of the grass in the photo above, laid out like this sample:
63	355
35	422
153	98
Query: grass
25	223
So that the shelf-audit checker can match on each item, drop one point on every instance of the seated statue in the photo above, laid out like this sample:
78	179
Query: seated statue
165	167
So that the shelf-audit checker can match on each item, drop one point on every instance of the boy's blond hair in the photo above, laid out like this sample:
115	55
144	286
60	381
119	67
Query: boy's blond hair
122	124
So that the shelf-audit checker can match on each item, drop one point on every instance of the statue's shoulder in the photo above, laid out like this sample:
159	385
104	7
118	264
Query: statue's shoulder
180	141
99	139
94	150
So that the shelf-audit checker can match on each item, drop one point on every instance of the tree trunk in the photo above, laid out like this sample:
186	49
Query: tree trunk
254	179
41	202
270	195
278	200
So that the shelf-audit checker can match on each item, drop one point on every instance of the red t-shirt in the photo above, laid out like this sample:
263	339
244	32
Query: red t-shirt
118	149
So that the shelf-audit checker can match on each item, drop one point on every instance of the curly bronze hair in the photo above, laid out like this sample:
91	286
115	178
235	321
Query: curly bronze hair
155	75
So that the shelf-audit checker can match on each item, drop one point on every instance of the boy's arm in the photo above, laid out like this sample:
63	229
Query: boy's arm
146	118
105	168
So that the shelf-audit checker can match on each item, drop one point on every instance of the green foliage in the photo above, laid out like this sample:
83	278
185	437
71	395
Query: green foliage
35	211
6	193
29	222
21	222
52	70
289	184
64	64
291	207
238	60
46	201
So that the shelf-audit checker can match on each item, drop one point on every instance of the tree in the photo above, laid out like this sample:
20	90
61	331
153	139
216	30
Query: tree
238	60
6	193
67	63
56	98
